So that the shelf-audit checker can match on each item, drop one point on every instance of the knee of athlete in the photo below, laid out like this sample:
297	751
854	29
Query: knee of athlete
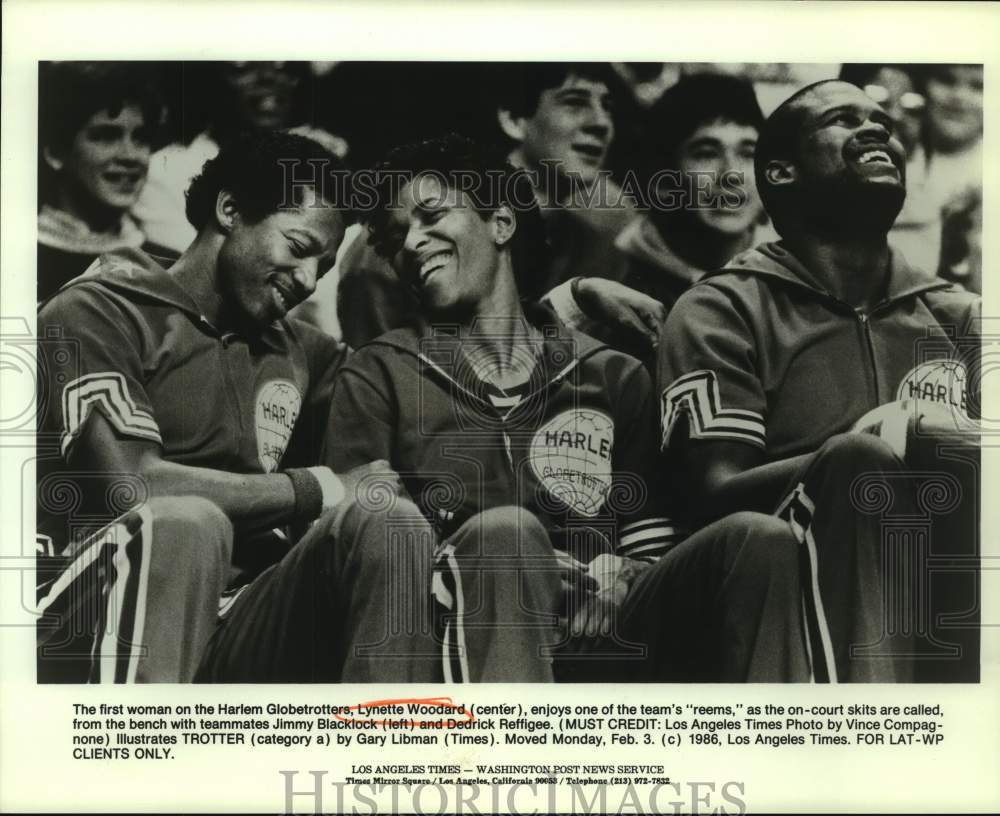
352	517
512	530
387	535
775	546
760	543
195	528
860	452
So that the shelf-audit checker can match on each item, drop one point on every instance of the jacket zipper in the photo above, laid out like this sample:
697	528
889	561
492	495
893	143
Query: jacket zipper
226	340
866	320
866	329
502	417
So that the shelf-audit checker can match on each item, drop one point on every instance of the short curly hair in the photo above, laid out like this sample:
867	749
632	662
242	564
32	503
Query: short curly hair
69	93
263	171
482	172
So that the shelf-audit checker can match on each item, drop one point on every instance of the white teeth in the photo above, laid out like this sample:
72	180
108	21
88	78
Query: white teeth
281	298
875	155
436	261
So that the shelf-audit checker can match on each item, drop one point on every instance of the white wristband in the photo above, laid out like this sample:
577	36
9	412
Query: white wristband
562	302
330	484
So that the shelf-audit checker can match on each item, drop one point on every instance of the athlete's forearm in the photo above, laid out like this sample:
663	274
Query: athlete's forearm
250	501
759	488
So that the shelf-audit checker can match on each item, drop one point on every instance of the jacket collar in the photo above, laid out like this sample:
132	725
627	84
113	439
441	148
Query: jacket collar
559	352
60	230
774	260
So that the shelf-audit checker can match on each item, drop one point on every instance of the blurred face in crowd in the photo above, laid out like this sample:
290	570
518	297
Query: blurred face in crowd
893	89
269	265
572	124
708	158
262	92
955	106
848	163
104	168
442	248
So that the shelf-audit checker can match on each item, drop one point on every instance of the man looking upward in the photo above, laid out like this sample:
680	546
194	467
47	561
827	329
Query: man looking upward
767	366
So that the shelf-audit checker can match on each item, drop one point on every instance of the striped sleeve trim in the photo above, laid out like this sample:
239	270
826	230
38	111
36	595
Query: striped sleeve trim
108	391
697	395
648	539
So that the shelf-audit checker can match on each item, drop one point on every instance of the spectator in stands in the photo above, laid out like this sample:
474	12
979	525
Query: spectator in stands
955	144
96	126
244	96
702	134
563	117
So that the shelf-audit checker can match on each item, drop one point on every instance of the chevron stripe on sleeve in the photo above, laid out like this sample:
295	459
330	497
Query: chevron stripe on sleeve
697	395
108	391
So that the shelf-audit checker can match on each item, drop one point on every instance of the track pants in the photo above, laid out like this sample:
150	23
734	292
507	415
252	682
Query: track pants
834	587
888	550
369	597
834	511
811	592
723	606
372	596
364	596
138	601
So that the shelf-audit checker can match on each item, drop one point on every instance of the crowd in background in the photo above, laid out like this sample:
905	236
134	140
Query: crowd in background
119	143
777	390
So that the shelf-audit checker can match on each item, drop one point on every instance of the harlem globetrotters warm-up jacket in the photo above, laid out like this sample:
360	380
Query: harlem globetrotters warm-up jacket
126	340
759	352
576	445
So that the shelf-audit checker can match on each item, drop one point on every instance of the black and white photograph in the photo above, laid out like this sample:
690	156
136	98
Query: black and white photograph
617	379
544	411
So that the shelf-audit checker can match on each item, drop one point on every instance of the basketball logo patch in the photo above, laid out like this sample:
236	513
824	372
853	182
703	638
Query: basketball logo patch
277	407
940	381
571	456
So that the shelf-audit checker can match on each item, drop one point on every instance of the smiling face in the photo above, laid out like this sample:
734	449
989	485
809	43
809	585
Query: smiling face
847	135
270	265
442	248
955	106
262	92
713	153
848	167
105	166
572	124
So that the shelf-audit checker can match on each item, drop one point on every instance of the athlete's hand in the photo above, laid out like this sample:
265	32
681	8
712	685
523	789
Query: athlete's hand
371	485
614	304
599	610
574	574
889	423
896	423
